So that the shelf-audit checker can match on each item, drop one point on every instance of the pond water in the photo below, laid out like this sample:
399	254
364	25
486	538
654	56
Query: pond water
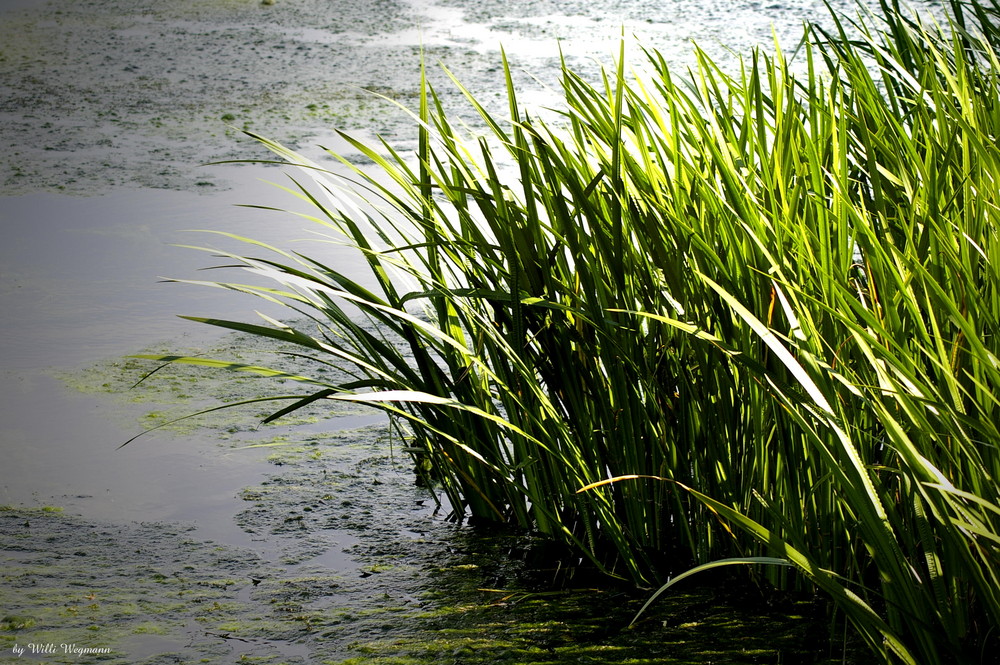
107	109
110	107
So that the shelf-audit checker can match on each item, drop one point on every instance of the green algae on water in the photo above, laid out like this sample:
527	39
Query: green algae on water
356	568
174	392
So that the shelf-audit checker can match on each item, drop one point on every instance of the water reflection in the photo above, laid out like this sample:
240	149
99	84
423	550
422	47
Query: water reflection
79	276
78	284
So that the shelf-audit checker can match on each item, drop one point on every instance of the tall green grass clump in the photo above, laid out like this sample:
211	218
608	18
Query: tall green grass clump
700	320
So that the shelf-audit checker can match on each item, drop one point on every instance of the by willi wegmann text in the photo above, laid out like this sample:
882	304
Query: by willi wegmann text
52	648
